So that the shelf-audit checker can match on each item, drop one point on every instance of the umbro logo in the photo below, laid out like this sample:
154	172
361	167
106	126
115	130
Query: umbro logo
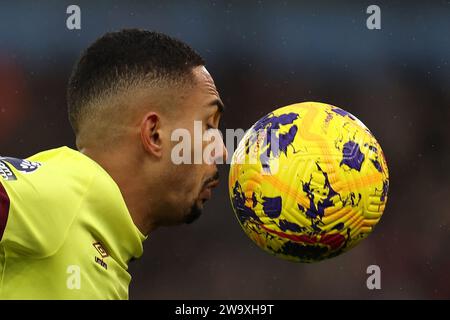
100	249
103	253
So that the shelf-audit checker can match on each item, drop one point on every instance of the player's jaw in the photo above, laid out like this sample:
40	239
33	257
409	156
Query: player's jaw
203	196
208	185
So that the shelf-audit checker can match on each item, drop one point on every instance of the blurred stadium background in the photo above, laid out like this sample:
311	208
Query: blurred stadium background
264	55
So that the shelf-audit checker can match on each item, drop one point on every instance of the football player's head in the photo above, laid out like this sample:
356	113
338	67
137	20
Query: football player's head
138	100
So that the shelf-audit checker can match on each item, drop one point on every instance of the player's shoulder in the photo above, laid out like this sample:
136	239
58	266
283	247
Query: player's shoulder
44	193
47	176
57	157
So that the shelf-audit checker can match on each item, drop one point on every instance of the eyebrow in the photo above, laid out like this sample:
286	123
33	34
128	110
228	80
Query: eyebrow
219	104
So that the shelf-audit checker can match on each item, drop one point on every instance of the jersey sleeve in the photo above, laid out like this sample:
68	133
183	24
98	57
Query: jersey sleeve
4	209
36	206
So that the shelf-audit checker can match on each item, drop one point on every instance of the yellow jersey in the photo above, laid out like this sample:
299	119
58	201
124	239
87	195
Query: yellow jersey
65	230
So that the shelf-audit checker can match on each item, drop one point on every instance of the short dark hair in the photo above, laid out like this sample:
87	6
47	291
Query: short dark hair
119	60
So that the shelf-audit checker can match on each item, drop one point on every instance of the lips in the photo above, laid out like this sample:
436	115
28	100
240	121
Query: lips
213	184
207	190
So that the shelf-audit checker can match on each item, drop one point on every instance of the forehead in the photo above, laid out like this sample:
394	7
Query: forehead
204	85
200	97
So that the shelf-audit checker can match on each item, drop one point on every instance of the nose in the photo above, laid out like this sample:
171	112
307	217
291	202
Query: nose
220	153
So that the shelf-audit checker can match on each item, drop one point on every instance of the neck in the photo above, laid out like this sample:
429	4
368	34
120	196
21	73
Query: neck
123	172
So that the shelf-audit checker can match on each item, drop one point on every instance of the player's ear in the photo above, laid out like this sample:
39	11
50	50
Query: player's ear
151	134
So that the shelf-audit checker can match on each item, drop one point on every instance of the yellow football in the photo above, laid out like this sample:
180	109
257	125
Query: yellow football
308	182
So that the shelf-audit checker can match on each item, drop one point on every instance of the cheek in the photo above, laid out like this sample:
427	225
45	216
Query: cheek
187	179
